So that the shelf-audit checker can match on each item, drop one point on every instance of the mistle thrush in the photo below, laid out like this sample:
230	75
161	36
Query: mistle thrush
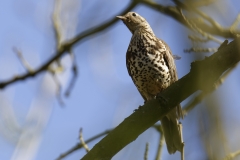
151	66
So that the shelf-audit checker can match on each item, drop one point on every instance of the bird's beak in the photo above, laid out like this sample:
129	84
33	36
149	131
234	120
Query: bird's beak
121	17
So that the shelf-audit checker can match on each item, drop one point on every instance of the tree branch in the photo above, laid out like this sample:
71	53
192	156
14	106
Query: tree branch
85	146
80	145
202	76
173	12
205	16
232	155
146	151
22	60
66	47
160	144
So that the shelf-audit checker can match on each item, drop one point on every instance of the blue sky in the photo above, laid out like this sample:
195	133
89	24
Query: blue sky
104	94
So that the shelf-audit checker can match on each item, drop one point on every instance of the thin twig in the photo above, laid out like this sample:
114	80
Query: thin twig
82	141
59	88
22	60
66	47
197	39
146	152
206	143
75	74
160	144
56	22
224	76
200	50
232	155
189	106
194	27
102	27
173	12
80	145
203	15
201	3
169	10
182	150
57	28
197	29
234	25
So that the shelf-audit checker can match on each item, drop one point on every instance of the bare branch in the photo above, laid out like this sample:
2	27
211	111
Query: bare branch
200	50
224	76
82	141
203	15
160	144
22	60
200	3
80	145
188	107
174	13
59	88
202	76
66	47
75	75
56	22
194	27
56	28
170	11
146	151
102	27
182	149
197	39
233	27
232	155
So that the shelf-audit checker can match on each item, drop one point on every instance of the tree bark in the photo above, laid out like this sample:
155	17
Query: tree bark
202	76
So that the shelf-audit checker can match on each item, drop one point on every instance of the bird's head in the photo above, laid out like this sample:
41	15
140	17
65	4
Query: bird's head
134	22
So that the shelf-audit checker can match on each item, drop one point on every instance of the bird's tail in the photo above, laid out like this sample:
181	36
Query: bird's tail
172	131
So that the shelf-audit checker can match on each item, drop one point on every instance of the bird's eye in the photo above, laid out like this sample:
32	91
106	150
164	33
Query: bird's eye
134	14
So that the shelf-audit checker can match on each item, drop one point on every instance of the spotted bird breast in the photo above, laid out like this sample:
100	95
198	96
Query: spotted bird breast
147	66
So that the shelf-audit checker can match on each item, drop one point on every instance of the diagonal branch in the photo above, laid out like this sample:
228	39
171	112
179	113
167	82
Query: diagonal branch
232	155
203	15
66	47
189	106
194	27
146	151
80	145
202	76
214	29
85	146
160	144
56	23
22	60
235	23
75	74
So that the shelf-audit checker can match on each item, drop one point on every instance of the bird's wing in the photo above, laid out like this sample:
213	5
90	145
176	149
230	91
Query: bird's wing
168	57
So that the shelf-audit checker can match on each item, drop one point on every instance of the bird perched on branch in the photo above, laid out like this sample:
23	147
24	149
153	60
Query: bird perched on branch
151	66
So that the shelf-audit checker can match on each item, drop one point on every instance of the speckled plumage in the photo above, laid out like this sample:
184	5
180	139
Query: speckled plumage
151	66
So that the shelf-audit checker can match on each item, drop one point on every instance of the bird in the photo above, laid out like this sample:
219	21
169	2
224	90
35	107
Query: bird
151	66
